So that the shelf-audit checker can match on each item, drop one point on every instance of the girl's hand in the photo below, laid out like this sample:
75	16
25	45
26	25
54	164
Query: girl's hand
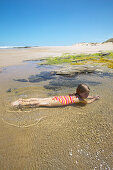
97	97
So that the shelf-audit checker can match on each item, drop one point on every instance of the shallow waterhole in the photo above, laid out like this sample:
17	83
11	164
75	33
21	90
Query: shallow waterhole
72	137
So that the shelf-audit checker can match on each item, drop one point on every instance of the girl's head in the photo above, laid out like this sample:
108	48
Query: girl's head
83	91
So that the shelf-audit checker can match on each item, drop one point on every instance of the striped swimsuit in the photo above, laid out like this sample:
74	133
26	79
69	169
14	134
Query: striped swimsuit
65	100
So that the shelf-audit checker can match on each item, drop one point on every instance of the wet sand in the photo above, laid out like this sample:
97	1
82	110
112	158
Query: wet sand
72	137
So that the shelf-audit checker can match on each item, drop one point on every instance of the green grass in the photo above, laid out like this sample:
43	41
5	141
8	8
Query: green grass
82	59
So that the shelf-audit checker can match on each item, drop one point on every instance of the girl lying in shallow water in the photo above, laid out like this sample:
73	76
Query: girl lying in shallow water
82	93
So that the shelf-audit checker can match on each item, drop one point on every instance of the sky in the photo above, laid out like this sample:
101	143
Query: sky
55	22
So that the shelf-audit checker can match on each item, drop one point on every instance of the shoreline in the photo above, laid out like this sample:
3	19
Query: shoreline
16	56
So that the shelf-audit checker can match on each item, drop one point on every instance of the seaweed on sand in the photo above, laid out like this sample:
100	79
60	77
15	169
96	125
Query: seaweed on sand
96	58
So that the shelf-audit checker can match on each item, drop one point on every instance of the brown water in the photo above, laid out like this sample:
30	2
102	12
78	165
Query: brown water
73	137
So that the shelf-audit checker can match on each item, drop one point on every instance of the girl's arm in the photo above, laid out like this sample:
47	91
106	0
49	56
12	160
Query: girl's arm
93	99
89	101
90	97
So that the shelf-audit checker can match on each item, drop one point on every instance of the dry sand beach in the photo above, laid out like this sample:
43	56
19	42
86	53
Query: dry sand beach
16	56
63	138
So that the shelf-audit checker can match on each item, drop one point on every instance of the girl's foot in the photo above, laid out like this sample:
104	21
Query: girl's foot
25	102
17	103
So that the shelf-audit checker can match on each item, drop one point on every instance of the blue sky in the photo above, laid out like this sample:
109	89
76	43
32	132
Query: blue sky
55	22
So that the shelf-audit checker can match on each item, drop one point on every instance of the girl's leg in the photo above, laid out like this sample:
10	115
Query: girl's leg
36	102
49	102
26	102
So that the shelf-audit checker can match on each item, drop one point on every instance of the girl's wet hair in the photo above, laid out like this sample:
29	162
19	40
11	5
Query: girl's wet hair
82	88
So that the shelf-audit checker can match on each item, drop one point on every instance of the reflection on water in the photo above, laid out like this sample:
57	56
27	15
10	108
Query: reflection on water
72	137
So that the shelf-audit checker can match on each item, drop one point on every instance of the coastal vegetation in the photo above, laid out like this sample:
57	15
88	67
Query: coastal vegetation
104	59
109	40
